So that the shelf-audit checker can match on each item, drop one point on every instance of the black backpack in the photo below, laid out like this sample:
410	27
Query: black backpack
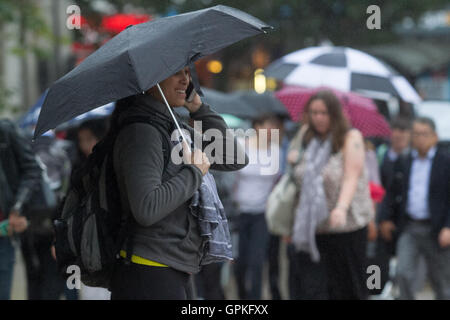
90	228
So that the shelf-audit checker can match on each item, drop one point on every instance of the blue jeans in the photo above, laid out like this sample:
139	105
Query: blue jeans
7	256
253	242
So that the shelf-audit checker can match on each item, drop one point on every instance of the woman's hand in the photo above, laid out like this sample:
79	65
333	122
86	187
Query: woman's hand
292	157
386	229
17	223
338	218
372	231
197	158
444	238
195	104
53	252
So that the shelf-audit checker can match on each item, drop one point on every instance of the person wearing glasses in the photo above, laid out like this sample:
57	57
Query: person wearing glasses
417	206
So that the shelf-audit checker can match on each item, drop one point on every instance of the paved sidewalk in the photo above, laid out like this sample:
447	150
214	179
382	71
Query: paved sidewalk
19	281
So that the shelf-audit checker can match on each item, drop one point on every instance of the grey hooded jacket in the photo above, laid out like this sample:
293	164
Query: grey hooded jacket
163	228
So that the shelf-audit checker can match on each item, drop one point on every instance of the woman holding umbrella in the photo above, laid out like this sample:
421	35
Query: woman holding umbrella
166	241
329	237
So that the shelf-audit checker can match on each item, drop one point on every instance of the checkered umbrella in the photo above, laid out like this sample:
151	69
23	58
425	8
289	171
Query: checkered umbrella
361	112
344	69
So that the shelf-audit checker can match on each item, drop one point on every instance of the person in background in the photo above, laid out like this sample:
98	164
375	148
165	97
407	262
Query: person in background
19	176
89	133
417	207
374	180
252	188
43	280
387	155
273	250
377	193
329	238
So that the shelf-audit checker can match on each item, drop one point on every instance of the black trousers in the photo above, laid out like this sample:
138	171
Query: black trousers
274	266
44	282
208	282
133	281
340	274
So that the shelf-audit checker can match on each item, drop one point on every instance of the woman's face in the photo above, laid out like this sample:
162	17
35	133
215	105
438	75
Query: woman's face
270	126
319	116
86	141
174	88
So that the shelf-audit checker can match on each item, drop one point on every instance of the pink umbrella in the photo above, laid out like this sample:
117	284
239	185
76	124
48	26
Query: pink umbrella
361	112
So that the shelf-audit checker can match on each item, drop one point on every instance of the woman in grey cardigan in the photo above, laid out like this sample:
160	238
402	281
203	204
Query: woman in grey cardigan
167	238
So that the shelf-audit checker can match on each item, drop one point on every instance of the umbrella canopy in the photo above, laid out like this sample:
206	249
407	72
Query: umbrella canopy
140	57
226	103
244	104
361	112
262	102
344	69
31	117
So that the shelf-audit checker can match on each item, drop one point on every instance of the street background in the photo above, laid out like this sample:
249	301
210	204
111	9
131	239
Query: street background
41	42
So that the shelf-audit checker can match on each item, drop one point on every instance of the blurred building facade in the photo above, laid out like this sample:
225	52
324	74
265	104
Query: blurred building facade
423	54
31	62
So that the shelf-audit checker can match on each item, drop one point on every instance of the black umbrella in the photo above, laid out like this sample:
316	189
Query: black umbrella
245	104
262	103
140	57
228	103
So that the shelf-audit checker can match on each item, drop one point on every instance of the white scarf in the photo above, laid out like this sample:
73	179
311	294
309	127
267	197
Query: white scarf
312	209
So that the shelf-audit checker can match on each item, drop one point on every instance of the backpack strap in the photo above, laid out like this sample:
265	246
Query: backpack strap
164	128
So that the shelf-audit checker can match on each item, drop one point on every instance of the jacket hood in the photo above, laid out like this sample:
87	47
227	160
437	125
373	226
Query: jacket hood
146	105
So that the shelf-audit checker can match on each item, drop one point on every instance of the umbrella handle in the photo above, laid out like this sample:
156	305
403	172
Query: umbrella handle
171	113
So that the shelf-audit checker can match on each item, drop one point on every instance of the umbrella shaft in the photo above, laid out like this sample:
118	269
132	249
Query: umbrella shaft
171	113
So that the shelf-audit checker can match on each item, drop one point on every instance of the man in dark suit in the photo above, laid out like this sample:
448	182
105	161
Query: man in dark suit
417	206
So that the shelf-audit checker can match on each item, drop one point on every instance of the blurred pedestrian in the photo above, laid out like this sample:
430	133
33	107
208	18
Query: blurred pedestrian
89	133
373	175
19	176
417	207
328	250
399	144
274	246
253	186
43	280
387	154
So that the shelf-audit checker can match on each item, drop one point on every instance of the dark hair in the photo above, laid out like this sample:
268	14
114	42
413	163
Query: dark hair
266	117
338	122
96	126
121	105
401	123
427	121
